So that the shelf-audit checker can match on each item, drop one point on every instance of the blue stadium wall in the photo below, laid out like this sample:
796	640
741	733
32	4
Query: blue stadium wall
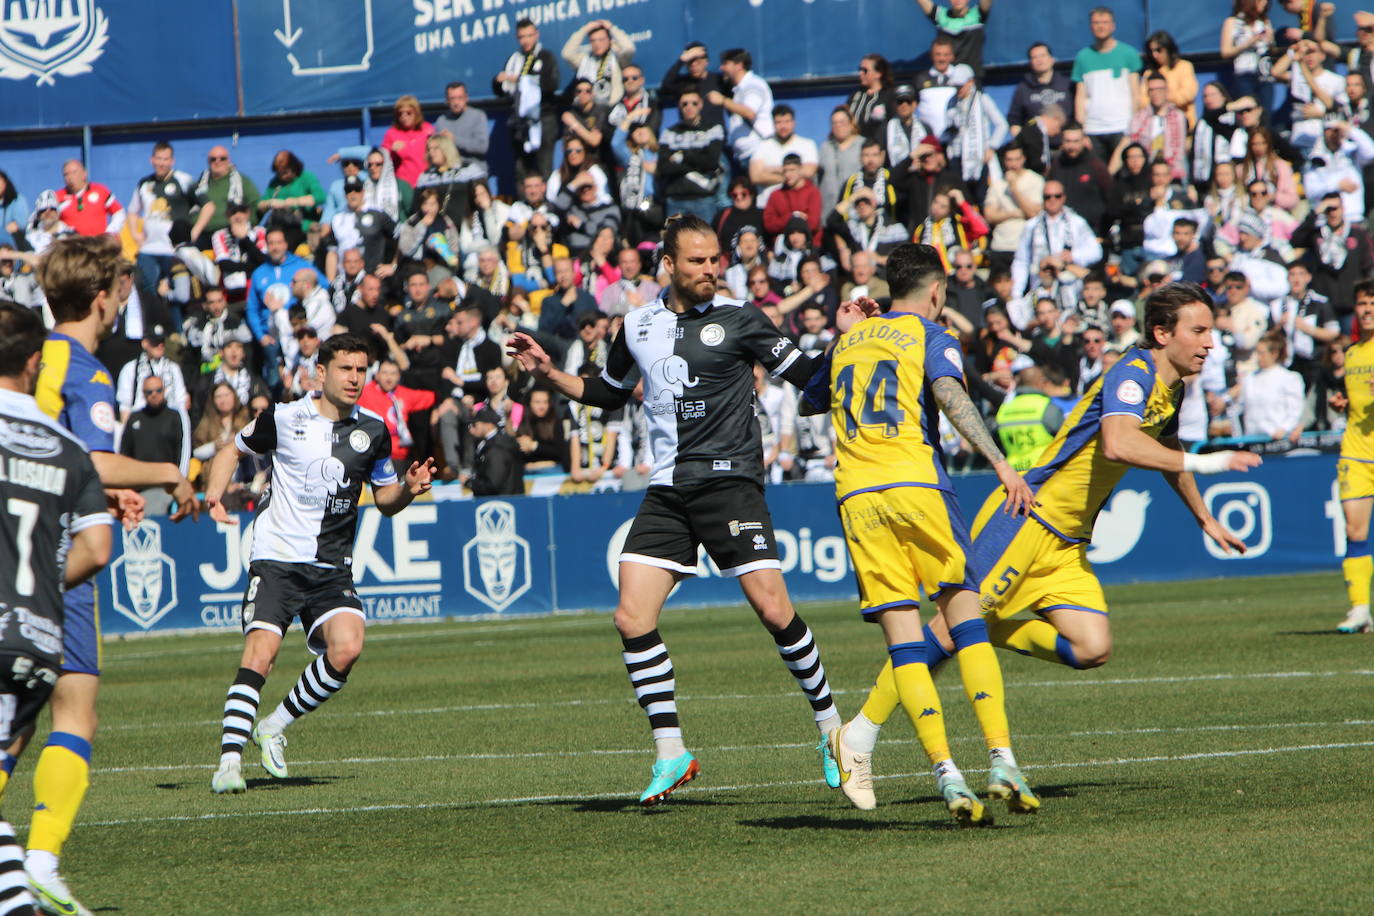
85	78
537	555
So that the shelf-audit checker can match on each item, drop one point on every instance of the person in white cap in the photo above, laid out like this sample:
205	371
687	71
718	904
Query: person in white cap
1262	267
1123	334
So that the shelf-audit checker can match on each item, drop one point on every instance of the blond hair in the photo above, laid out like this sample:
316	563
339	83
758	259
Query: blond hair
77	269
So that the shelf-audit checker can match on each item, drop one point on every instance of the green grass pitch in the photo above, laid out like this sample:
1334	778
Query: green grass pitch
1219	763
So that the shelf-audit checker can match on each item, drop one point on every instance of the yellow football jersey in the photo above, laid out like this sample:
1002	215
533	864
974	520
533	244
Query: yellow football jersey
1358	441
885	419
1073	478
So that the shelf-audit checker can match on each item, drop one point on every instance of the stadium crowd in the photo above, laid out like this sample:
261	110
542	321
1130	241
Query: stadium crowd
1055	218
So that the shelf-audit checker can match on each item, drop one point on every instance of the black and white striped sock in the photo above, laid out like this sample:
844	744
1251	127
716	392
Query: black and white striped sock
798	650
318	682
651	675
15	899
240	709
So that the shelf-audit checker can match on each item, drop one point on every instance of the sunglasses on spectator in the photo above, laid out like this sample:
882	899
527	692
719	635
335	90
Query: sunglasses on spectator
963	267
374	163
217	158
1258	192
739	195
1216	269
865	69
1054	197
1235	286
1094	340
157	390
634	76
1330	211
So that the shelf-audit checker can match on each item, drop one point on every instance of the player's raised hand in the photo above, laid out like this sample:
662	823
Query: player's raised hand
529	354
127	506
1244	461
1020	497
219	513
852	312
187	503
420	477
1224	539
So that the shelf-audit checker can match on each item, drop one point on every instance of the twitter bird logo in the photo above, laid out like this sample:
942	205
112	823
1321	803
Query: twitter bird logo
1119	526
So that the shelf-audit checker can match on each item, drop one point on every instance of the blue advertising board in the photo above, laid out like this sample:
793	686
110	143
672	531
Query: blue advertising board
79	62
534	555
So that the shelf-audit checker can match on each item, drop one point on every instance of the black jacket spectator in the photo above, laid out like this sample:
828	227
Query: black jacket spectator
497	467
689	159
1086	185
157	434
1032	97
679	79
1337	284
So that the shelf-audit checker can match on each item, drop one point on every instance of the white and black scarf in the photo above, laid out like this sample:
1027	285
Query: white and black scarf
384	194
971	123
235	195
1331	245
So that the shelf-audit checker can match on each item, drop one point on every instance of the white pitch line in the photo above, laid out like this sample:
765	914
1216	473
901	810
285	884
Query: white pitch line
703	790
731	697
729	748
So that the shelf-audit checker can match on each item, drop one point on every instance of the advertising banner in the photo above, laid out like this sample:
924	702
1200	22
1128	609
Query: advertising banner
534	555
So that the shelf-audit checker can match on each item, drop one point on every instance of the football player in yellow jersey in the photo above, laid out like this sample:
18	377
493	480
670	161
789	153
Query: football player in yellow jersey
1126	419
889	376
1355	470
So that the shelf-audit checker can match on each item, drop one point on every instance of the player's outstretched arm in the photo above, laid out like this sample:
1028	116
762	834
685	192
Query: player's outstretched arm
127	506
1185	485
954	401
1123	440
121	471
88	554
217	479
591	391
394	497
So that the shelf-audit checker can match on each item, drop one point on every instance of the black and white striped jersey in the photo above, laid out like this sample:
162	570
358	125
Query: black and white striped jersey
48	490
310	510
698	371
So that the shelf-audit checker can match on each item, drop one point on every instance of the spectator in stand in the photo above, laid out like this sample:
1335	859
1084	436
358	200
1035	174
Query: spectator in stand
489	273
219	188
88	207
872	176
977	128
1247	36
633	289
427	238
1313	90
161	199
482	229
863	281
272	279
931	173
370	232
405	138
534	199
607	51
293	198
1092	308
368	318
746	254
813	287
698	77
639	104
157	431
593	452
589	121
636	151
952	223
872	103
966	291
530	80
1266	275
207	332
467	128
1340	253
1189	261
963	22
904	130
498	466
1108	83
748	110
742	215
1212	134
1249	320
395	403
591	346
1041	87
540	435
1337	164
838	155
467	356
1013	197
1162	57
386	192
587	219
443	172
515	316
1169	203
1306	321
1056	233
1161	127
858	224
1122	333
335	202
579	168
689	157
765	168
239	249
993	355
790	248
565	301
937	86
223	417
315	299
1271	397
14	212
761	291
232	371
152	362
1042	138
1084	176
1090	361
421	328
797	197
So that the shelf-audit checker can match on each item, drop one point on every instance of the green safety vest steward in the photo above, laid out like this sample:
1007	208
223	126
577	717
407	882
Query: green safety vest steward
1021	427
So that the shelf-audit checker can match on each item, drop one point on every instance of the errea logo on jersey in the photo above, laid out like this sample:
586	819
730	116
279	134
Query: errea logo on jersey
50	38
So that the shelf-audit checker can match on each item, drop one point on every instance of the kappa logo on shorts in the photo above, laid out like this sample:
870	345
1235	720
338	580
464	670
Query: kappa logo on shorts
144	578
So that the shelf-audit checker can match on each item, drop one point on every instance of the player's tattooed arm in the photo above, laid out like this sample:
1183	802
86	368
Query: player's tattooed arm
955	402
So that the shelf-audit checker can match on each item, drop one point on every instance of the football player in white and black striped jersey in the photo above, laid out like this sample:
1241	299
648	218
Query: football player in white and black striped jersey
324	447
695	351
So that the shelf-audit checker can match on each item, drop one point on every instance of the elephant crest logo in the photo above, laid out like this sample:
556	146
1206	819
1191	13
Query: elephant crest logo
669	377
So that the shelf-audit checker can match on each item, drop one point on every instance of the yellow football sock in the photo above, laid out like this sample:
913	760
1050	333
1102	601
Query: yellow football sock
982	678
917	693
1358	570
882	697
1035	638
59	786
